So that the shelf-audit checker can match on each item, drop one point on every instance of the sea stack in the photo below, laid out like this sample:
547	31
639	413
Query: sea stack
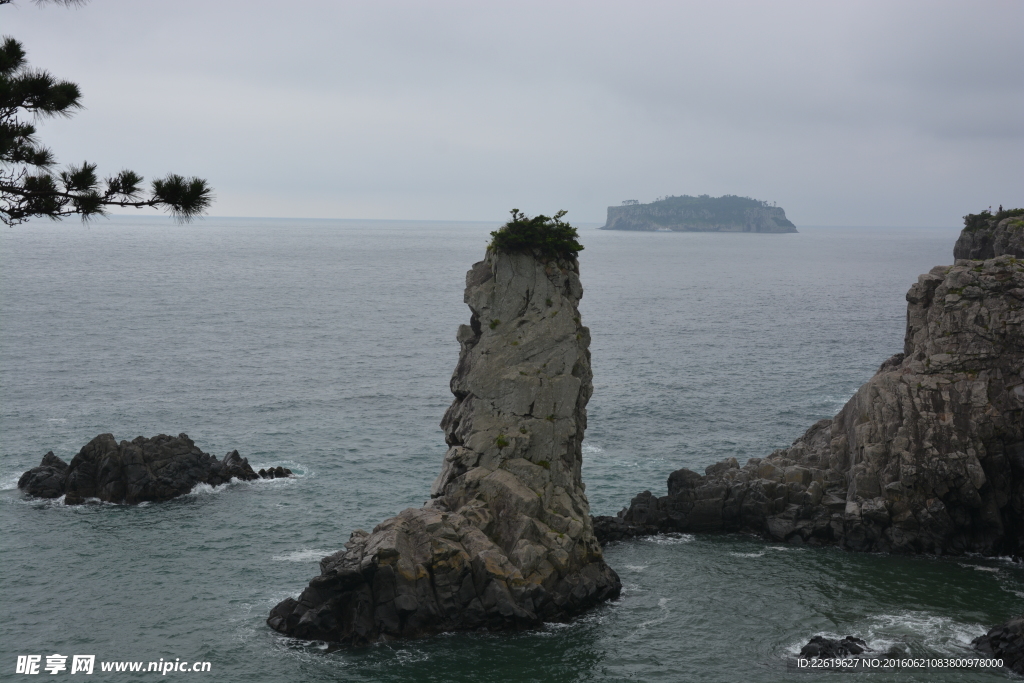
927	456
506	542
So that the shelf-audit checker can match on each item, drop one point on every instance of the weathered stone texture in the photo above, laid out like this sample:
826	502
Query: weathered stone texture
928	456
506	541
1004	237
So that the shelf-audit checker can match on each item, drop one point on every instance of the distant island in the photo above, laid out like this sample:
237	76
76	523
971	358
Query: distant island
728	213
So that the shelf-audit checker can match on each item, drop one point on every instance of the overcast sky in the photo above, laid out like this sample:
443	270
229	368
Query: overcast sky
844	113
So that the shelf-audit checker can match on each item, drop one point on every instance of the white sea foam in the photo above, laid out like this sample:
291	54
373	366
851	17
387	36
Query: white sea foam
937	633
902	632
590	449
669	539
207	490
9	482
636	567
304	555
632	588
760	554
557	626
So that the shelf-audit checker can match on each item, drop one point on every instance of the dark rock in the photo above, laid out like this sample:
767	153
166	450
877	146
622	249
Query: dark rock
47	480
275	473
235	466
1005	642
155	469
827	648
927	457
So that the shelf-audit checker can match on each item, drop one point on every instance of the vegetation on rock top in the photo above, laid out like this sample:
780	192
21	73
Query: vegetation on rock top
975	221
541	235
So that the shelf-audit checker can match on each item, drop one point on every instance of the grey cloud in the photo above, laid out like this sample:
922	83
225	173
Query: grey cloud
899	113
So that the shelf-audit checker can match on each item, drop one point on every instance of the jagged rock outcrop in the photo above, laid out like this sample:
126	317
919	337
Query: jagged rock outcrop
155	469
46	480
506	541
986	236
1005	642
699	214
928	456
830	648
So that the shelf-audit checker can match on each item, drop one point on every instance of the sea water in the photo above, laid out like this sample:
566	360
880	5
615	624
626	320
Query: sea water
327	347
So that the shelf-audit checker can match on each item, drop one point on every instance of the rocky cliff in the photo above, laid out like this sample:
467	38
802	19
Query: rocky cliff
700	214
928	456
506	541
986	236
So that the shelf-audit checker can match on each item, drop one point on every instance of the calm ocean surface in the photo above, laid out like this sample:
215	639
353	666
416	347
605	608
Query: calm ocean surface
327	346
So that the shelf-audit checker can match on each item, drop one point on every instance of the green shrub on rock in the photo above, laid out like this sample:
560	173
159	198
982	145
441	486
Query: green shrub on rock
541	235
976	221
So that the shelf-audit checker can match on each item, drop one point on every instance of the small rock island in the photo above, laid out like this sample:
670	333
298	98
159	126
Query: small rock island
506	541
728	213
136	471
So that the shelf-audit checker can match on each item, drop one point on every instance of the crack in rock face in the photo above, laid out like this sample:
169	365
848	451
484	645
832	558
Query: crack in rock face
506	541
927	457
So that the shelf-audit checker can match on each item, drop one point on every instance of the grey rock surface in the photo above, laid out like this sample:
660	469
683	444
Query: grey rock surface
506	541
985	239
928	455
153	469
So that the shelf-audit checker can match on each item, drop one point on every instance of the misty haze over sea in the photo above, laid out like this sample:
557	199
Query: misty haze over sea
326	346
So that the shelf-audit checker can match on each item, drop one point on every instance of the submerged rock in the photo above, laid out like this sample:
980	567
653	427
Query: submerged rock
1005	642
830	648
928	456
274	472
506	541
155	469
